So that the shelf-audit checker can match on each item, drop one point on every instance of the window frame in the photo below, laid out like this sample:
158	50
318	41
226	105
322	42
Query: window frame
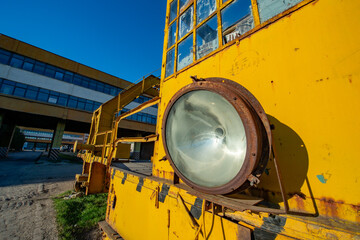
220	5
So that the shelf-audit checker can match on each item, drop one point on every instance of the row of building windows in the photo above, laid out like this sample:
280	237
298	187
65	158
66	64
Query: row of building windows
31	133
35	146
35	93
142	99
44	95
35	66
31	65
140	117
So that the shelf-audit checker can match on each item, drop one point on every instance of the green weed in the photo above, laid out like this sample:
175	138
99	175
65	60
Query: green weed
79	215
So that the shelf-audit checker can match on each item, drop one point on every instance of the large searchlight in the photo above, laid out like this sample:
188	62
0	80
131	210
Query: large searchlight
216	136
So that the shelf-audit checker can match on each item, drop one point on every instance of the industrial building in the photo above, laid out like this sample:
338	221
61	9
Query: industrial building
42	90
40	139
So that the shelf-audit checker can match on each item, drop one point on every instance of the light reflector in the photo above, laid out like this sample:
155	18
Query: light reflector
216	136
206	139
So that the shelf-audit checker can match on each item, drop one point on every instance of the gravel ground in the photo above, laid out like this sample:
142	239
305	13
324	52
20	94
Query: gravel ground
27	184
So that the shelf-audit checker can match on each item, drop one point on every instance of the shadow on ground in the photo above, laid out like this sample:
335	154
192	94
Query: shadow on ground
31	167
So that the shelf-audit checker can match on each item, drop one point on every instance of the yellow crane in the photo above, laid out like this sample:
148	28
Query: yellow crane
257	133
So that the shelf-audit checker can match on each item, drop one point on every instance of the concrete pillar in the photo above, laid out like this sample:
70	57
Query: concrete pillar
6	139
137	148
11	138
57	136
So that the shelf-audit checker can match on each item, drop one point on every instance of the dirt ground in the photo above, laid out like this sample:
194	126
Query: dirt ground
27	184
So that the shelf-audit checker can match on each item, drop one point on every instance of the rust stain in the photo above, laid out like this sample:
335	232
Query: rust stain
357	210
300	201
298	194
330	206
315	2
175	234
156	173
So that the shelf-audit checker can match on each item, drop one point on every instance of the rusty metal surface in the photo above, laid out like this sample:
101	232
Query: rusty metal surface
244	233
240	203
109	231
149	138
257	130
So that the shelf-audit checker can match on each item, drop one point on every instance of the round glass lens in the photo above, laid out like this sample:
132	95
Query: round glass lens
205	138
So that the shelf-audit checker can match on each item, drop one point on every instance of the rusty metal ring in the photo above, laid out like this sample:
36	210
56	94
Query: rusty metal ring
257	130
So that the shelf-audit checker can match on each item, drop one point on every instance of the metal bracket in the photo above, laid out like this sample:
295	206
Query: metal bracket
156	195
195	79
254	180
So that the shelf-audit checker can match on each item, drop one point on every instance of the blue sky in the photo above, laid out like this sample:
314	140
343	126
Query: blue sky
122	38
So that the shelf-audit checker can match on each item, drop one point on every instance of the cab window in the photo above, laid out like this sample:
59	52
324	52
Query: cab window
192	36
186	22
203	9
172	34
237	19
185	52
271	8
170	56
207	38
173	10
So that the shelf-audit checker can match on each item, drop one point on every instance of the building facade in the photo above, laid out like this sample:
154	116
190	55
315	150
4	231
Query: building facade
39	89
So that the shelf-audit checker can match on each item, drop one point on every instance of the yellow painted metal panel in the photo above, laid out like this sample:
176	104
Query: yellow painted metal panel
135	208
303	67
304	70
122	150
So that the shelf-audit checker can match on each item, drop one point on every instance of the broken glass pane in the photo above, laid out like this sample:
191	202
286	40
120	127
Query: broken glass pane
185	53
173	10
183	4
270	8
206	38
237	19
204	8
170	57
186	22
172	34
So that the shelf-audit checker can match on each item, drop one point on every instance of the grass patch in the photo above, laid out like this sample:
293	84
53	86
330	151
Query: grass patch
68	158
79	215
